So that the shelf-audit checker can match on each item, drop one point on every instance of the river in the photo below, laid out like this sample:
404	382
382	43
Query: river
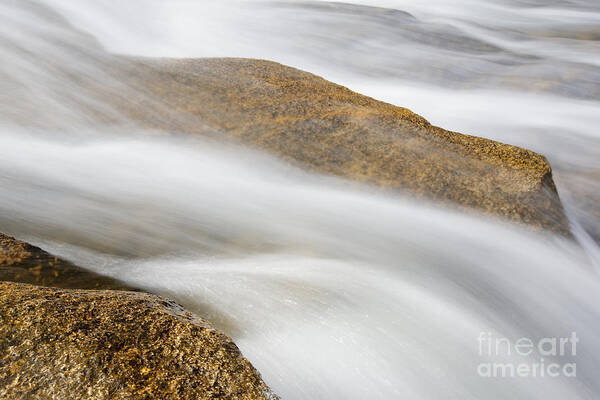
331	291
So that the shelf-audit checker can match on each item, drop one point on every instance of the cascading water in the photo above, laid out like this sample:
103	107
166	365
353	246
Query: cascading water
331	291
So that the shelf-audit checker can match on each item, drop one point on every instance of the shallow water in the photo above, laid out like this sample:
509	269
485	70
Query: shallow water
521	72
331	290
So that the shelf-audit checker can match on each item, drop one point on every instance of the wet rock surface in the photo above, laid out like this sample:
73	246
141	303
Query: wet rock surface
78	344
22	262
106	344
326	128
298	116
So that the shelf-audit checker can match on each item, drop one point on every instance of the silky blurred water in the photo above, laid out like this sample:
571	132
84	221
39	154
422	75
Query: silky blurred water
331	290
522	72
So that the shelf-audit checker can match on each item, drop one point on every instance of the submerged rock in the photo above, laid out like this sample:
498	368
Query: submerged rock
22	262
76	344
327	128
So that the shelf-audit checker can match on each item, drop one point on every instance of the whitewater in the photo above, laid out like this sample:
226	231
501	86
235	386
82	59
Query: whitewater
330	289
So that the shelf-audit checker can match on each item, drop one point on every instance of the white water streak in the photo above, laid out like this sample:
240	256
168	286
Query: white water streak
332	291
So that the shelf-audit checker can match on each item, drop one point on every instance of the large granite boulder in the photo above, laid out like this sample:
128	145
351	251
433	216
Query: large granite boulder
327	128
300	117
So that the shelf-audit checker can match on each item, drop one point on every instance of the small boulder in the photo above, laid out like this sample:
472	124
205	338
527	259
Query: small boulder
79	344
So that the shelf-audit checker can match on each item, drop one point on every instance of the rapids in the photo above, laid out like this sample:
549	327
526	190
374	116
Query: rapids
332	291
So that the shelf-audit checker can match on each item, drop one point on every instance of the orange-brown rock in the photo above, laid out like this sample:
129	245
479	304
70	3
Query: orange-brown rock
22	262
300	117
327	128
91	344
106	344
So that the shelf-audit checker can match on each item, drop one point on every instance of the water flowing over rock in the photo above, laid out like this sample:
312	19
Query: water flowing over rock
22	262
74	344
327	128
300	117
333	237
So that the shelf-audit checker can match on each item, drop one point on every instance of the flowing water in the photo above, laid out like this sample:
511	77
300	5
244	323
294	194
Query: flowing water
331	290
